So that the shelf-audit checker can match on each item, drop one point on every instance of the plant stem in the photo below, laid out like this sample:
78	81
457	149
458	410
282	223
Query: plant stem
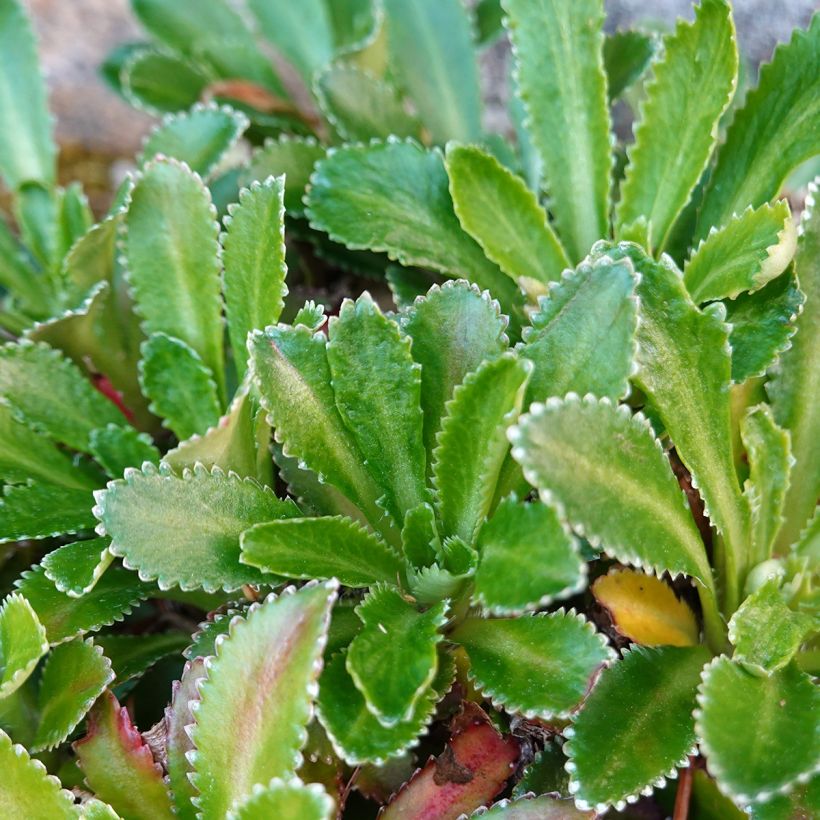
714	626
683	795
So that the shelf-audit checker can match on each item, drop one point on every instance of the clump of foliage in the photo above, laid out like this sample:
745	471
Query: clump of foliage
542	539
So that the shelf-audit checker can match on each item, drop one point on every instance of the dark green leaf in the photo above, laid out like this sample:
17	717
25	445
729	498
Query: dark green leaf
116	448
162	82
626	57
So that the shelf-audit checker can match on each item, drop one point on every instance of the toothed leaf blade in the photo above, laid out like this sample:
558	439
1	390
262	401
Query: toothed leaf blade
75	568
287	800
117	448
22	643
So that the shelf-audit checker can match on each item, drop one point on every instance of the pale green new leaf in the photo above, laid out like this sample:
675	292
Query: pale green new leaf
560	77
22	643
286	800
758	733
582	337
26	454
768	448
64	617
394	197
300	31
171	250
503	215
118	764
533	665
253	255
27	789
181	388
750	250
356	734
116	448
693	83
454	328
37	510
262	682
393	659
432	52
184	531
290	370
765	632
636	727
361	106
74	675
75	568
50	394
771	134
608	474
796	385
201	137
291	157
684	367
763	324
473	443
377	386
329	547
27	150
527	559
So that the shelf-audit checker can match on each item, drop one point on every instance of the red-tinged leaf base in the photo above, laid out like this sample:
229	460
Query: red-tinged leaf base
469	773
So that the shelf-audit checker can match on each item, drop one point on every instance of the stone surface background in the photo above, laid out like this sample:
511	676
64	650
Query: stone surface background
75	36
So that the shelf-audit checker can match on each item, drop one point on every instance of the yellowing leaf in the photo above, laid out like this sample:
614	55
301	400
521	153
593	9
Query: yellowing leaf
646	610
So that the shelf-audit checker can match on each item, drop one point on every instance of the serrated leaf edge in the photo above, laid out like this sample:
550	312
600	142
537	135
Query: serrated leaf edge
22	675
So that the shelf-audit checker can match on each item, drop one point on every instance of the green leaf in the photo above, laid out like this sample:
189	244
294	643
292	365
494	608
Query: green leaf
394	197
48	393
393	659
270	661
286	800
118	764
582	337
796	384
201	137
161	82
626	57
75	568
533	665
181	388
636	727
27	150
34	510
528	559
503	215
431	49
768	448
64	617
184	531
178	716
321	548
419	536
356	734
171	250
94	809
454	328
132	655
750	250
116	448
26	454
693	83
356	23
802	801
758	733
770	135
230	445
763	325
253	254
22	643
765	632
291	157
361	106
377	386
27	789
472	443
684	369
610	478
75	674
561	81
530	807
292	376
